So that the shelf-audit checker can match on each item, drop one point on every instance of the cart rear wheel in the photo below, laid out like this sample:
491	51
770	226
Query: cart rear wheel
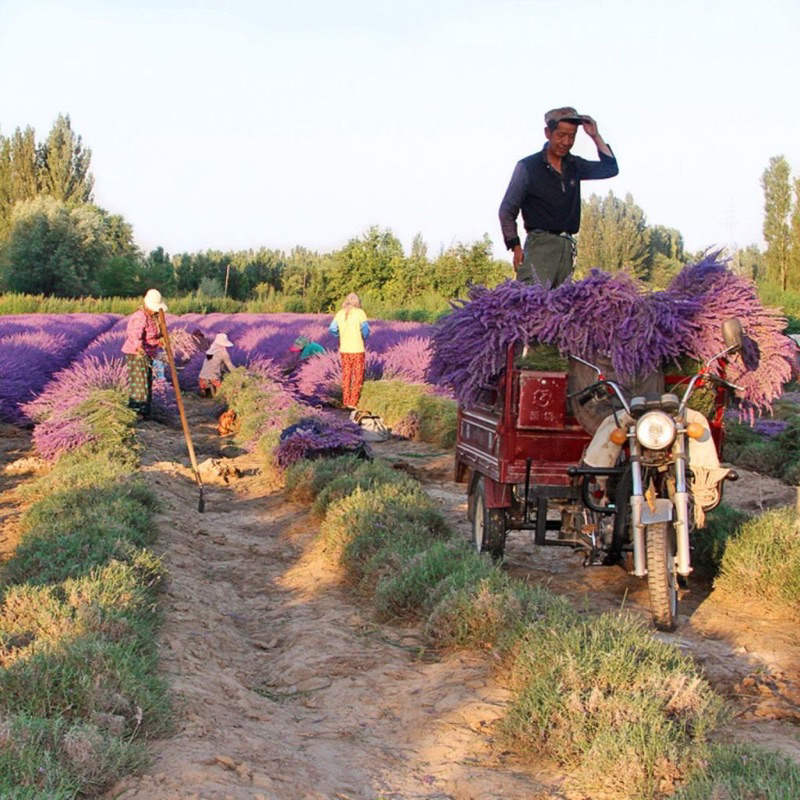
488	524
662	577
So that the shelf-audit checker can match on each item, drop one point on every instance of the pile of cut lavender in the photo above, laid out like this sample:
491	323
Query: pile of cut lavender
615	317
319	436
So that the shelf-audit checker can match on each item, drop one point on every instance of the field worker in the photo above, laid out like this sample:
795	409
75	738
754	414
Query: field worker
306	348
142	340
351	326
216	360
546	187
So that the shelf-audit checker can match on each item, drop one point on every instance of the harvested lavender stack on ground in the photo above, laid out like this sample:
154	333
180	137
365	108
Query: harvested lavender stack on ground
616	317
318	437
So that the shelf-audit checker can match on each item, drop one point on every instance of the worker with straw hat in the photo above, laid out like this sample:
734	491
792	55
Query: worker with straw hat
142	340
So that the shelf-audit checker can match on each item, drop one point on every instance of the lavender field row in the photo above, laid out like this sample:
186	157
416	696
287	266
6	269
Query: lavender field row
49	362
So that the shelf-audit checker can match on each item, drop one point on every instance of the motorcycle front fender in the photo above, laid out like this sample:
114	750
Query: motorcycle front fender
661	513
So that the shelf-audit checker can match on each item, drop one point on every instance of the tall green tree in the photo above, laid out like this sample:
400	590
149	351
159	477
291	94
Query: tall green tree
464	264
614	236
156	271
666	257
794	239
368	262
65	164
54	249
19	173
777	208
749	262
24	165
119	274
6	200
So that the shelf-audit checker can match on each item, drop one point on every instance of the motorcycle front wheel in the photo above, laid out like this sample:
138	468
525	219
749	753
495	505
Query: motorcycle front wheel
662	576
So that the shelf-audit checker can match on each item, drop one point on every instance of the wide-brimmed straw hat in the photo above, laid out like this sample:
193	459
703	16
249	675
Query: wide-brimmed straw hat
220	340
153	301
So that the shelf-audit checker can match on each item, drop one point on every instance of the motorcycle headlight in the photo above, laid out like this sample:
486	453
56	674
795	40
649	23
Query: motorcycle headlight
655	430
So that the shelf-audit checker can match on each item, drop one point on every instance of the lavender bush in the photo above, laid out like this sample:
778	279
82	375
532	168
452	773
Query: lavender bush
33	347
37	346
318	436
319	380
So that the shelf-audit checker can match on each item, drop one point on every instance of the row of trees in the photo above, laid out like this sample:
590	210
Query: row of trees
55	241
373	263
58	168
615	236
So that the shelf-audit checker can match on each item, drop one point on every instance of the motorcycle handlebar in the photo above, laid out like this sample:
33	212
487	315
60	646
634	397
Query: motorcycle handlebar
722	382
587	393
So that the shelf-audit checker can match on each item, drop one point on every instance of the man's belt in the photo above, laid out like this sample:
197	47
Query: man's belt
566	234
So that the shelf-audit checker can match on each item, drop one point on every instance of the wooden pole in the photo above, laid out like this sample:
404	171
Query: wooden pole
179	400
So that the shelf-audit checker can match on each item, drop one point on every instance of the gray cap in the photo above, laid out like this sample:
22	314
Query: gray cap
565	114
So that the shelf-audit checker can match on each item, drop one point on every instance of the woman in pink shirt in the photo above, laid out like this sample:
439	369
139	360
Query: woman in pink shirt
142	341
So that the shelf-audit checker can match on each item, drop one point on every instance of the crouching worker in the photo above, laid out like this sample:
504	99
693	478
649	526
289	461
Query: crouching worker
142	340
217	360
299	351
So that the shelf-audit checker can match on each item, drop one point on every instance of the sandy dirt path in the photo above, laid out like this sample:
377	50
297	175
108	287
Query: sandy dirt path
285	686
750	658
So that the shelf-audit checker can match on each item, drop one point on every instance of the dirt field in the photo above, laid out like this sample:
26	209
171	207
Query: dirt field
286	689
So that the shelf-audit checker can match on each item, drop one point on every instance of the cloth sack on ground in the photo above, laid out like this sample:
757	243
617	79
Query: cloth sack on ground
373	428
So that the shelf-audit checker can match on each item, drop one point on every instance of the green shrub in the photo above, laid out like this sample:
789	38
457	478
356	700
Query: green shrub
743	772
360	475
88	679
373	514
69	532
777	456
762	563
625	714
116	600
765	457
306	478
427	576
397	401
708	542
52	759
494	611
82	469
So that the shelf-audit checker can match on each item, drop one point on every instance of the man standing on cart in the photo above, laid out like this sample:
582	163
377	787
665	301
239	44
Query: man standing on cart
546	187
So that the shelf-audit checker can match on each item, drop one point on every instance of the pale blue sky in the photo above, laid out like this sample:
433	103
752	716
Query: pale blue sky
241	124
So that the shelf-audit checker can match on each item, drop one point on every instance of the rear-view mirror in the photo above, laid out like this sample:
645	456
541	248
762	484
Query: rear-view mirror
732	334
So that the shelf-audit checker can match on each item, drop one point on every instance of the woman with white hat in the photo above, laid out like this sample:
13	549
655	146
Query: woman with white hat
217	359
142	341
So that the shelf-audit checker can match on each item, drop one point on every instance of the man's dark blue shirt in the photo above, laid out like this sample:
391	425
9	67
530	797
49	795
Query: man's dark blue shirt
549	200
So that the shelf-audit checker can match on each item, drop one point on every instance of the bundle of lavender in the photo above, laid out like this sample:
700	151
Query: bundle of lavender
318	436
615	317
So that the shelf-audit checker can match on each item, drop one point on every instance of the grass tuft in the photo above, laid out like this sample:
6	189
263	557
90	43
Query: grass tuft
762	563
434	417
742	772
626	714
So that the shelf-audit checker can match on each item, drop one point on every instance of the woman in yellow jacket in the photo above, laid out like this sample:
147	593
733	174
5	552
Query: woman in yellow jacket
351	326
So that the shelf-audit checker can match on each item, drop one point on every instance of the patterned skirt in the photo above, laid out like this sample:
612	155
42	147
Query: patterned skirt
140	383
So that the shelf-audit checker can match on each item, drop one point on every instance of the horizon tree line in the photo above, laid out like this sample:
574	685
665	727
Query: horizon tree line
55	241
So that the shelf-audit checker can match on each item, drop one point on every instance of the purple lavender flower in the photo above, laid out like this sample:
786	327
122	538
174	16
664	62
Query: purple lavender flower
613	316
316	436
35	346
408	360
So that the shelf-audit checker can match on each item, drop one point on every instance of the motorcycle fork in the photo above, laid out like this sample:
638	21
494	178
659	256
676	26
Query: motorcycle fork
681	502
637	500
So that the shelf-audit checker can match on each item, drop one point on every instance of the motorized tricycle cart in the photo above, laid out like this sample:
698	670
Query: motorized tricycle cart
627	488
